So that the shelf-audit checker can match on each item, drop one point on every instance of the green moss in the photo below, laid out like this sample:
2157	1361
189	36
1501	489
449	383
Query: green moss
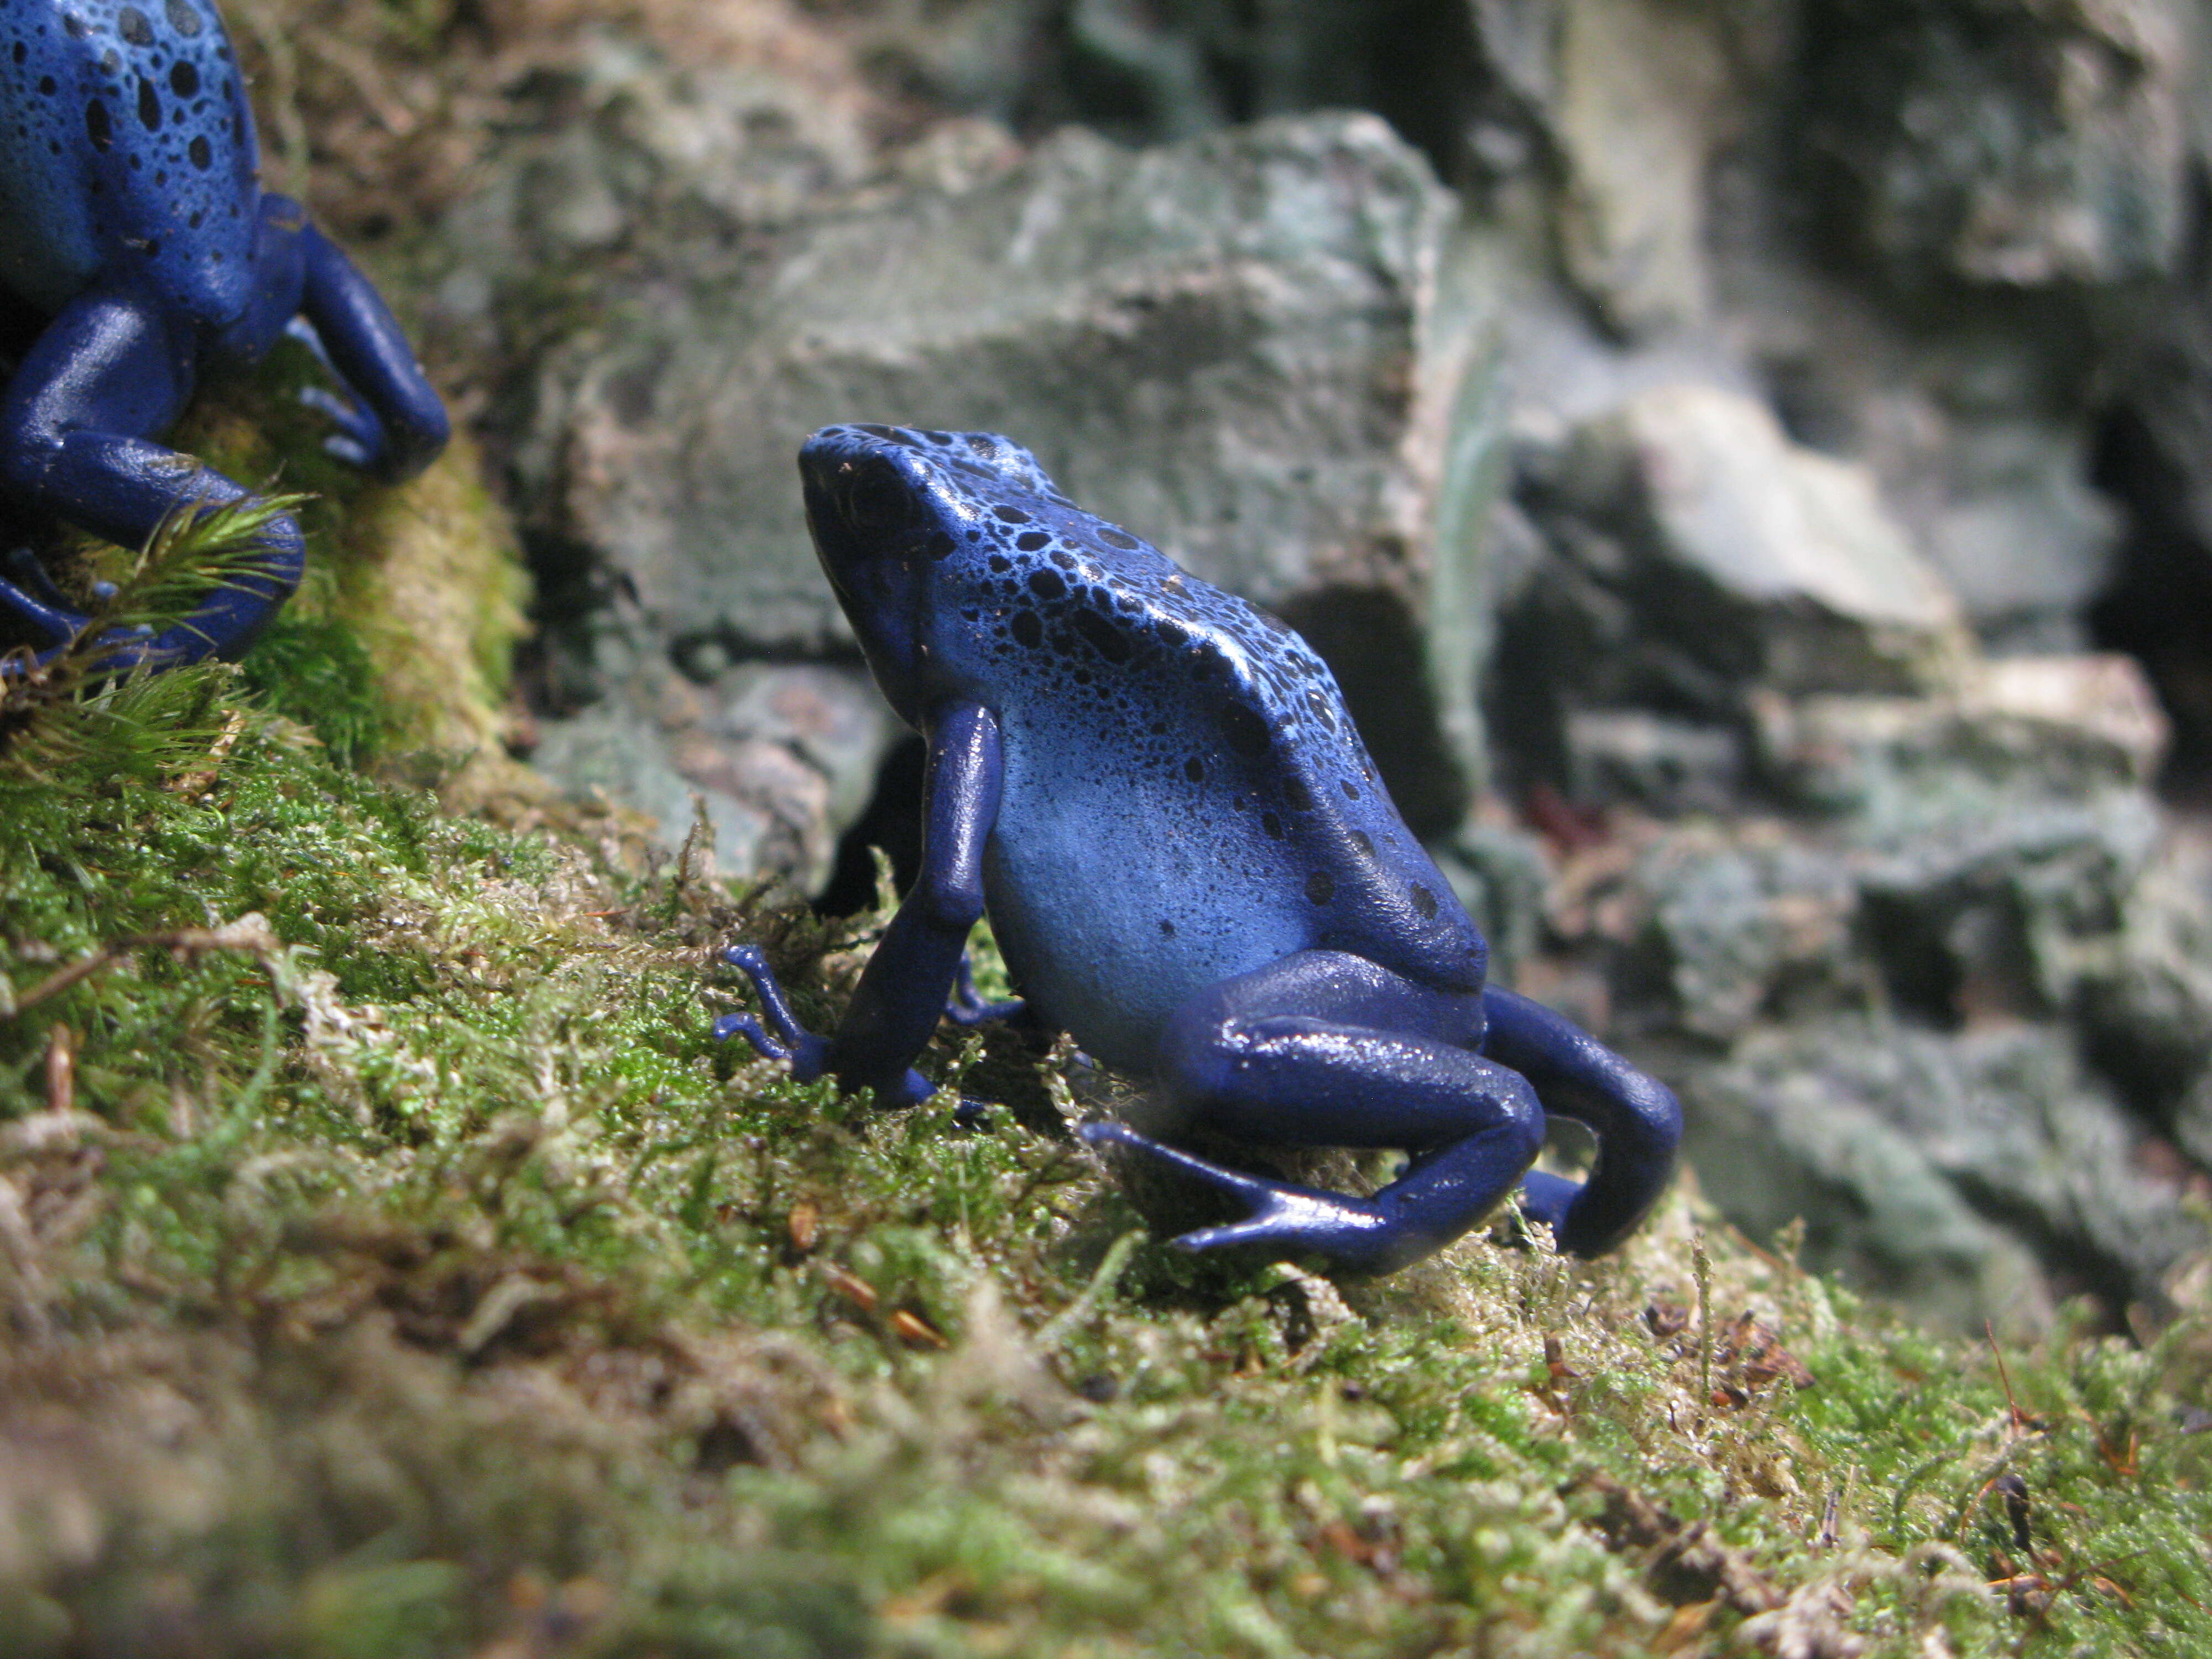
417	591
316	672
407	1271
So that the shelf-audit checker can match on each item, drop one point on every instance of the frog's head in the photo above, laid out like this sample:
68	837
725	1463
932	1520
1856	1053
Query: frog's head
899	516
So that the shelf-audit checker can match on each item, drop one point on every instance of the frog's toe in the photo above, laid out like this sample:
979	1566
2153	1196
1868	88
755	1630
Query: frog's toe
120	649
1353	1233
27	580
1349	1232
41	612
1107	1132
745	1025
781	1036
1546	1197
752	963
359	440
968	1007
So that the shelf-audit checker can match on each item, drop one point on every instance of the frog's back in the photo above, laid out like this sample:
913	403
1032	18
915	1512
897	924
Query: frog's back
1185	798
126	152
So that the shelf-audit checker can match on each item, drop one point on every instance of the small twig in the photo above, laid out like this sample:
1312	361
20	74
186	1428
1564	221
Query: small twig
247	933
1832	1513
2011	1405
1062	1325
61	1069
1702	1265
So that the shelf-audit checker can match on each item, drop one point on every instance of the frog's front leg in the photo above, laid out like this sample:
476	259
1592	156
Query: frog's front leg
1324	1047
75	426
391	423
905	987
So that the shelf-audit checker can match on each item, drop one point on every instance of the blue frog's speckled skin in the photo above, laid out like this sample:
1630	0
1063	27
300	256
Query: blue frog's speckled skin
137	251
1190	864
128	142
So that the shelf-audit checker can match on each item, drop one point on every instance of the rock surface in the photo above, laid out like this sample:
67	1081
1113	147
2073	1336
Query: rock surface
1731	470
2011	144
781	757
1936	1167
1213	344
1758	559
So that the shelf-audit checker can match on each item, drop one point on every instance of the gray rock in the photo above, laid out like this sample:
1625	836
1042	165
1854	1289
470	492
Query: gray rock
2065	727
2147	1003
1741	922
2018	533
1936	1167
1775	1138
2003	908
1212	344
1967	855
2010	143
1713	553
1996	832
629	151
1629	756
783	758
1638	88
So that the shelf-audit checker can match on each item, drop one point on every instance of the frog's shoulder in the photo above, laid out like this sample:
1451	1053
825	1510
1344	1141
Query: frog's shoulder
1373	889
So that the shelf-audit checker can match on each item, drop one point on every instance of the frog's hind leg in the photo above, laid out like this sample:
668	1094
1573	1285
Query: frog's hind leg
1636	1118
1326	1048
77	421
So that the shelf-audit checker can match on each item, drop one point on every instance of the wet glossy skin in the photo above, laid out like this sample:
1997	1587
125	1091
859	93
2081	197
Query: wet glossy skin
138	251
1157	793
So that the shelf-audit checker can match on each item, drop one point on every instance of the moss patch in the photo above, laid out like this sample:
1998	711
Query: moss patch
393	1264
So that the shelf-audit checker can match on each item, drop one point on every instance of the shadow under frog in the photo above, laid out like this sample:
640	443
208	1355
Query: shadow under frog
1155	791
138	251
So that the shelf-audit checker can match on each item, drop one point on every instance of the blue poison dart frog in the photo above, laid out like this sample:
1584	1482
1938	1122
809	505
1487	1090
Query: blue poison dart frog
137	250
1157	793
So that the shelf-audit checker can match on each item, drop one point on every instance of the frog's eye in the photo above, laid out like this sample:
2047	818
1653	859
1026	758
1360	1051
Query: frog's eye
875	498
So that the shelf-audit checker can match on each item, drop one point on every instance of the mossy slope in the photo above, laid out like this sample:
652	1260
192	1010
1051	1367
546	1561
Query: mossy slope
393	1264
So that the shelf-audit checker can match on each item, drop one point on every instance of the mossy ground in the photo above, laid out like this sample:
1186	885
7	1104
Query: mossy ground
391	1263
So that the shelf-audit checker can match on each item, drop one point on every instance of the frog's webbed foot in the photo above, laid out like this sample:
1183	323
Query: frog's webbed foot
31	599
1636	1118
390	422
782	1037
359	440
28	594
1353	1233
807	1052
31	588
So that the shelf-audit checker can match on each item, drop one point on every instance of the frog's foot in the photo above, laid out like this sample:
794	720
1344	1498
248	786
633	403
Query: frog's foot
1546	1198
47	615
807	1052
783	1037
359	440
1636	1118
390	423
31	587
1356	1234
34	604
968	1007
106	372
